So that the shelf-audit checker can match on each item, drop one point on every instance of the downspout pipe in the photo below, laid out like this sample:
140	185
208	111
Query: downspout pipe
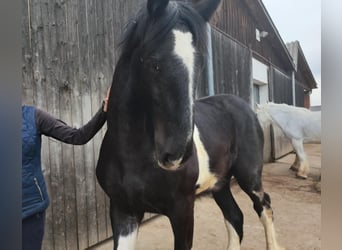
293	88
210	67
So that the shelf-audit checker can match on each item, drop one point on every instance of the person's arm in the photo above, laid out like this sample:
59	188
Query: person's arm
50	126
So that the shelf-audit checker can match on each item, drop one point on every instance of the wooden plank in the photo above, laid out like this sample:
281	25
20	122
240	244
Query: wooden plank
80	178
67	107
281	145
51	106
27	84
38	80
80	152
68	175
90	176
57	78
57	218
45	56
98	94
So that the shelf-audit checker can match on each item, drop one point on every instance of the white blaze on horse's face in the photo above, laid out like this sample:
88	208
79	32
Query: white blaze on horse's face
185	51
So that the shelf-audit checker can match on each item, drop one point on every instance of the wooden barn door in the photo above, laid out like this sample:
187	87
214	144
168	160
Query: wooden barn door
69	53
231	66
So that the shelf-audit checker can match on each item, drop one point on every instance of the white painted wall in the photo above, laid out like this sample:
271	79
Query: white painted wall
260	80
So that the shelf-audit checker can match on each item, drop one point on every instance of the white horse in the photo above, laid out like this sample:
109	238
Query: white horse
299	125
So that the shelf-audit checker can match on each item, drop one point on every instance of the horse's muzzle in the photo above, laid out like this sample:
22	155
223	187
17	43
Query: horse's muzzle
170	165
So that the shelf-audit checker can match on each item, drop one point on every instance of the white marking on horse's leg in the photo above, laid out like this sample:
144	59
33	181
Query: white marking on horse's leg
128	242
303	169
296	164
266	219
206	179
233	237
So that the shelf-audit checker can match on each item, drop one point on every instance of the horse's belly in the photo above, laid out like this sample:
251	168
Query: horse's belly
206	179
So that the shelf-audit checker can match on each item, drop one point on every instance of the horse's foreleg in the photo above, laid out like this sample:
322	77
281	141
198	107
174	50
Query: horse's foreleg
125	229
296	164
182	221
250	181
262	205
266	218
303	169
232	214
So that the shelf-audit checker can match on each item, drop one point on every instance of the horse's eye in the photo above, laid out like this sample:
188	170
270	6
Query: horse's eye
156	67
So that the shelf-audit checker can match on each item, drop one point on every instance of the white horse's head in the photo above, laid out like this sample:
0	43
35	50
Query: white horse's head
263	115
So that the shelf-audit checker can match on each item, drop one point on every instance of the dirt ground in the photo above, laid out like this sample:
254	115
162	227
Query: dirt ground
296	205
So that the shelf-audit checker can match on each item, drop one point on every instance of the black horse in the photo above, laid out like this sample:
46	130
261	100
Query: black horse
162	147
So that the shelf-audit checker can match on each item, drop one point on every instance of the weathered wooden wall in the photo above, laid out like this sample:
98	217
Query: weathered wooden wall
69	55
300	95
69	52
280	144
234	18
282	87
232	66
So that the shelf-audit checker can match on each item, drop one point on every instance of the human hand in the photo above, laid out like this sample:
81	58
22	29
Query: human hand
105	106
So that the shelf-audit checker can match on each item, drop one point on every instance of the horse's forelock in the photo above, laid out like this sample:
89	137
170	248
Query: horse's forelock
145	32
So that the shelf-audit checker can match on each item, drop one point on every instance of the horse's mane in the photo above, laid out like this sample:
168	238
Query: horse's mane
285	107
145	32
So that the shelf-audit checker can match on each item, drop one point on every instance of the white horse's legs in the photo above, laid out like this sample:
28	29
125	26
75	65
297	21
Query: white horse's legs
296	164
303	168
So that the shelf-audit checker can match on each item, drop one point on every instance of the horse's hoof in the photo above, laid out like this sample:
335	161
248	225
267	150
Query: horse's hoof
276	248
293	168
317	186
302	176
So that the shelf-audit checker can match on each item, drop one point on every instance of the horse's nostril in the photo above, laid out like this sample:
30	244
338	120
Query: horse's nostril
166	159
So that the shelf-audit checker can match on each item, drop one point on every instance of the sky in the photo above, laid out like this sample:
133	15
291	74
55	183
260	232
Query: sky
301	20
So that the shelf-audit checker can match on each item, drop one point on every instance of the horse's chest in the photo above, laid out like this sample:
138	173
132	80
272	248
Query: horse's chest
206	179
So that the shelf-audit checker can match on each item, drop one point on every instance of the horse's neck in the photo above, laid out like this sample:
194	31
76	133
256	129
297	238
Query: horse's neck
122	96
129	119
264	118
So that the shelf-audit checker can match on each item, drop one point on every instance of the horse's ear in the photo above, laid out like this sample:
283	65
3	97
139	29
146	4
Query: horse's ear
156	7
207	8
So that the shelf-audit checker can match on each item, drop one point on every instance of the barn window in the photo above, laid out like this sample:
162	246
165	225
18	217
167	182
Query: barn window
256	94
260	82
